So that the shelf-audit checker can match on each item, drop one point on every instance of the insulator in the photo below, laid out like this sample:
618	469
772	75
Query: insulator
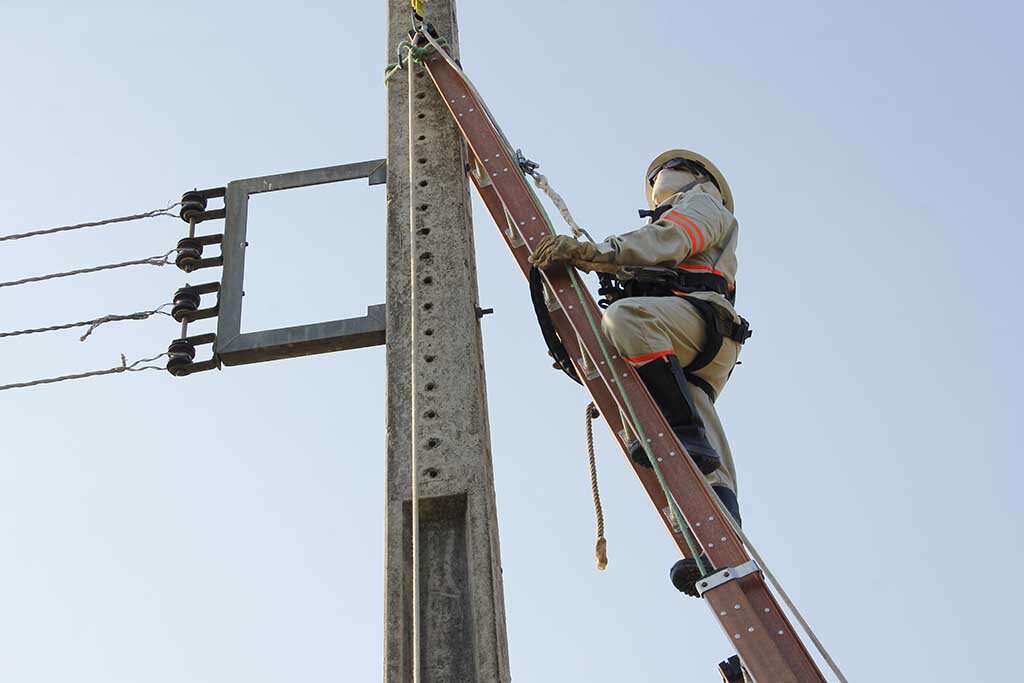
186	300
190	250
180	354
191	203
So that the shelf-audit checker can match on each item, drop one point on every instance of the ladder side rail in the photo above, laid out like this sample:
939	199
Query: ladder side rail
775	657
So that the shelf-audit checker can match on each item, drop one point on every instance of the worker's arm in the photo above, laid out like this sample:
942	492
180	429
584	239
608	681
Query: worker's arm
694	224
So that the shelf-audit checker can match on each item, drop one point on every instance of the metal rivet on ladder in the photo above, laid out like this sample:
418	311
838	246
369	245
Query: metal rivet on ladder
750	630
736	607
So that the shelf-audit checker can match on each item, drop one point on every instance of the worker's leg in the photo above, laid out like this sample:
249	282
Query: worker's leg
647	329
632	325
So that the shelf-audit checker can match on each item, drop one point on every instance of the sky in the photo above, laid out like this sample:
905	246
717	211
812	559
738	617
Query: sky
229	525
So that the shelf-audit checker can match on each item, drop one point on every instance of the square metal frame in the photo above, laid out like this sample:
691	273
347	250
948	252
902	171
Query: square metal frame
233	347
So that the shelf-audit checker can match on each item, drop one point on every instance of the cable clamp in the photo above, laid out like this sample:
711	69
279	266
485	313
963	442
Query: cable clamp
726	575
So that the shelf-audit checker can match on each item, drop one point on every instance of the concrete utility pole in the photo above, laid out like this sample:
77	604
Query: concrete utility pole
435	368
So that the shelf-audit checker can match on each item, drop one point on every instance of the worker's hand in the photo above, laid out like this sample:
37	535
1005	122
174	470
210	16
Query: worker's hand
555	249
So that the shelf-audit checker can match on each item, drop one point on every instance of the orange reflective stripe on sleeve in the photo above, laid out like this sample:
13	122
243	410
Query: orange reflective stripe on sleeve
640	360
690	226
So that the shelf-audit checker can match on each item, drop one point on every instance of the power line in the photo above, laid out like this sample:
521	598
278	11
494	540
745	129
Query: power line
158	260
92	324
108	221
123	367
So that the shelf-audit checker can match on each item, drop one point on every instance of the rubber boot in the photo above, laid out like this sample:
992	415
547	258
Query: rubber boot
685	573
669	389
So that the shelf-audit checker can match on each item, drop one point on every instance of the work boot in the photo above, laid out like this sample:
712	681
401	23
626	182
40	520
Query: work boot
669	389
686	573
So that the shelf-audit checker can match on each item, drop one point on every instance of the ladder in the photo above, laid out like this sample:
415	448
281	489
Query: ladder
735	590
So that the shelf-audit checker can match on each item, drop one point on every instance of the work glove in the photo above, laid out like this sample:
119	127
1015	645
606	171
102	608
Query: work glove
555	249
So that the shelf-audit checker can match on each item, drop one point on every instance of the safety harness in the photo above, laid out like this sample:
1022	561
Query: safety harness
655	281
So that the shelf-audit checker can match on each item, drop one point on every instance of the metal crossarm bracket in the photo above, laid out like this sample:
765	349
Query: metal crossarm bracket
726	575
233	347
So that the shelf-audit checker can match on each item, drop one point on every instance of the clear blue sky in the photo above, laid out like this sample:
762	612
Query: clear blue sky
229	526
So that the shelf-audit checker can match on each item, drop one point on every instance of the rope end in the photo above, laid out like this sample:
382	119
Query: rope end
601	553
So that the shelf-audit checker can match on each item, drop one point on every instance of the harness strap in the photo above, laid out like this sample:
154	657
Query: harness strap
720	326
701	384
712	339
547	327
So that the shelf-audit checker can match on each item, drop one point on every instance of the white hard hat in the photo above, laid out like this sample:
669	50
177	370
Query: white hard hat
664	158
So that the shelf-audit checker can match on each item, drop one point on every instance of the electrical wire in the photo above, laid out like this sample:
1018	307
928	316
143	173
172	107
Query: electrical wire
92	224
158	260
124	367
92	324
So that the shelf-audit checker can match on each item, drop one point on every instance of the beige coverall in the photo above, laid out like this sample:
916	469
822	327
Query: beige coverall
698	234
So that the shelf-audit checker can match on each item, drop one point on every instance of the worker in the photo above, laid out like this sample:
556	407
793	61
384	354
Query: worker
672	314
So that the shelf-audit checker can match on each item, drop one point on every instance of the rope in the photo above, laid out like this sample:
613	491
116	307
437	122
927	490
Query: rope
542	182
601	549
763	566
93	324
408	52
124	367
78	226
159	260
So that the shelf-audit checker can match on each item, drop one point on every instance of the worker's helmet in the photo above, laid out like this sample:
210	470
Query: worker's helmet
686	160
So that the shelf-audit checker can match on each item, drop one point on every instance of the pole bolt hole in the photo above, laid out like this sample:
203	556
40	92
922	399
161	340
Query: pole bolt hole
431	472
